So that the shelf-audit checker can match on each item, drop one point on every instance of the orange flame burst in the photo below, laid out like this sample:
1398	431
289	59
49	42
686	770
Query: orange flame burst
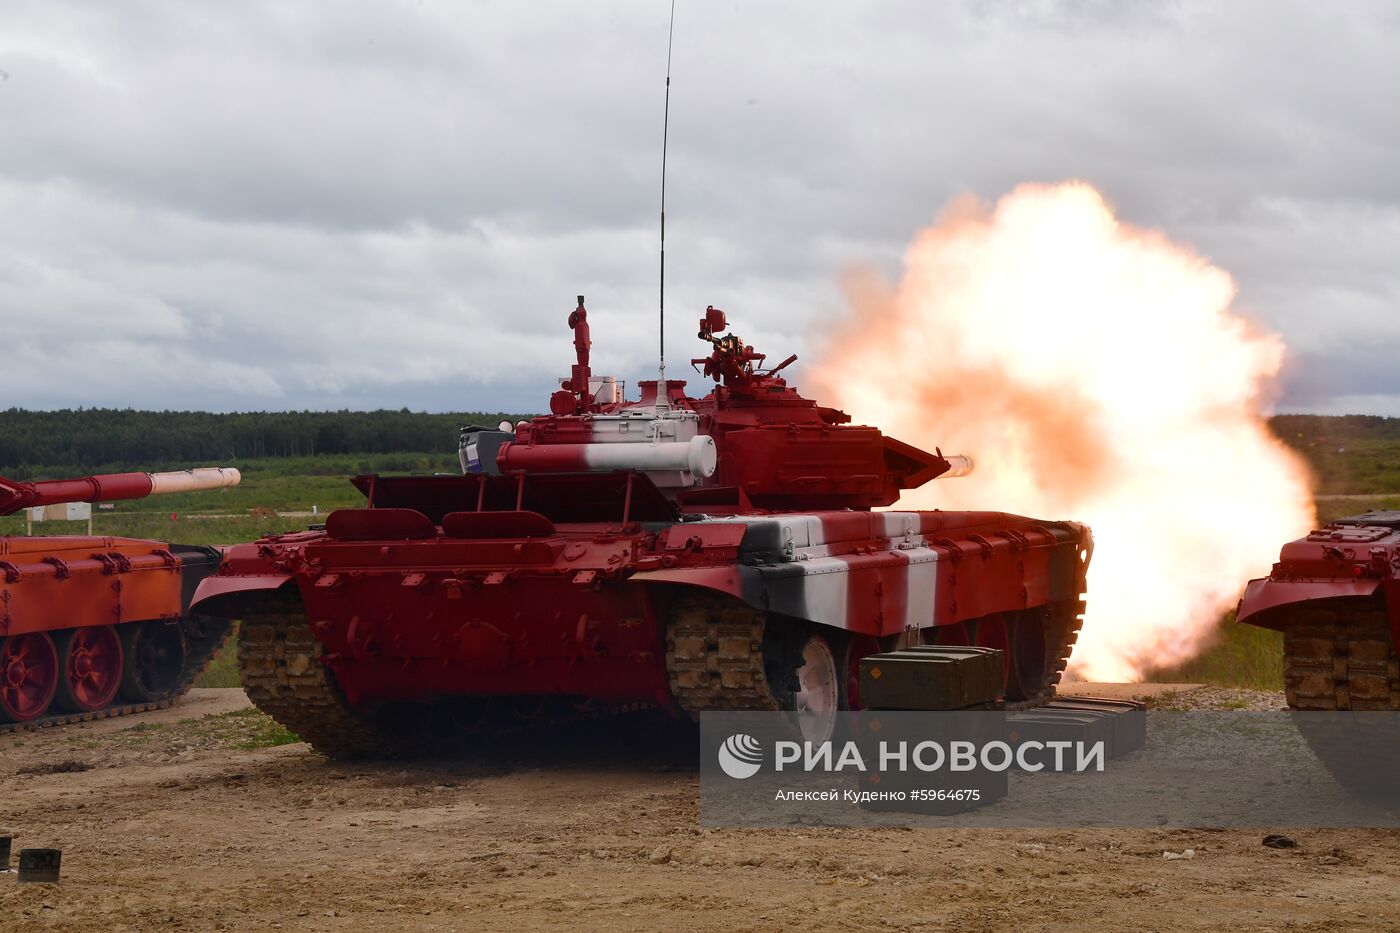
1096	372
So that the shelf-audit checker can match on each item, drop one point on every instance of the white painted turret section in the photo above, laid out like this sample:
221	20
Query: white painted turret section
670	448
696	456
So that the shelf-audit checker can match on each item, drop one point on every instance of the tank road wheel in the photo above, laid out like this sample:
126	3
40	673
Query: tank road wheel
279	663
822	679
1341	671
1026	669
28	676
1040	641
90	668
154	652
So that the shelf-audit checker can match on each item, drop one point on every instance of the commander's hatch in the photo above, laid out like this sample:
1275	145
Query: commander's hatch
560	497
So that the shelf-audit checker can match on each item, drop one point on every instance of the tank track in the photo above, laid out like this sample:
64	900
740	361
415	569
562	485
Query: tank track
1338	666
715	658
280	664
198	655
1340	659
1062	624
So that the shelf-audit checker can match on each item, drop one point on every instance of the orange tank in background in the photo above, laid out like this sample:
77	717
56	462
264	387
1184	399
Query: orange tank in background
95	626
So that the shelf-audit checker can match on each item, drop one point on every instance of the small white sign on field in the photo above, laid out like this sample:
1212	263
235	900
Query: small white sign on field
68	512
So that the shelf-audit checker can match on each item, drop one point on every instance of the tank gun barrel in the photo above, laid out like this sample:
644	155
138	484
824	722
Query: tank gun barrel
109	487
958	465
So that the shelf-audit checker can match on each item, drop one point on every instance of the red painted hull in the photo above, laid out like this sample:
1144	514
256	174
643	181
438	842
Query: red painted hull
580	608
1354	560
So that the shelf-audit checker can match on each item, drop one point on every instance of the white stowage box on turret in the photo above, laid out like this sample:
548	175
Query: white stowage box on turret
675	455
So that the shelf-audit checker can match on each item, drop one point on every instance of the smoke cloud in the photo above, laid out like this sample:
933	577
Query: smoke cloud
1096	372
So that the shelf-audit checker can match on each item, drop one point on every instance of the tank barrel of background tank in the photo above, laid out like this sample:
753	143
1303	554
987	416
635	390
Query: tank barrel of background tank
958	465
109	487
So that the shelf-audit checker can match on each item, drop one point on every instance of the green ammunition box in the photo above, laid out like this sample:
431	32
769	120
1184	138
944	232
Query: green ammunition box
1084	728
1127	719
933	678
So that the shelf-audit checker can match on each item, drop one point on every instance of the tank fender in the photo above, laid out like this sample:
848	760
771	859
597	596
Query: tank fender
727	580
787	589
1263	596
214	592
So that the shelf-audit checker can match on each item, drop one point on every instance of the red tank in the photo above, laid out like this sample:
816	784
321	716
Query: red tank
1335	595
96	626
721	552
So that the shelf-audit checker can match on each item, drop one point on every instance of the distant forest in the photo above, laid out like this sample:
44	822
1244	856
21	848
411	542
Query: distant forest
105	437
91	437
1301	430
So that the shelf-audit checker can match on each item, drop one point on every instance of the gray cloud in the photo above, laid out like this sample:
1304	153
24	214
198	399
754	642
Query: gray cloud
267	205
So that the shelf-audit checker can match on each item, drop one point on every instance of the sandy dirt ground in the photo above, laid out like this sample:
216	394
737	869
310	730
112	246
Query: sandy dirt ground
178	820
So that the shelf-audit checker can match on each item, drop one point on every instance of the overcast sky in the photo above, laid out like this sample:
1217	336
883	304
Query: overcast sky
275	205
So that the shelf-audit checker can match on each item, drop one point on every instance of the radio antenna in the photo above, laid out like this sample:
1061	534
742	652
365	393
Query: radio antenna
662	396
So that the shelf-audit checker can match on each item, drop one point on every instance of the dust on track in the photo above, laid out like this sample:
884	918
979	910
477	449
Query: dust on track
176	827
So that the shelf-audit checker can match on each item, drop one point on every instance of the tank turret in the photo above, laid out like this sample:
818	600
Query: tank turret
110	487
752	442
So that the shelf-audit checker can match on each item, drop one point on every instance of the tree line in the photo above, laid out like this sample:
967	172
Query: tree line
93	437
1300	430
127	438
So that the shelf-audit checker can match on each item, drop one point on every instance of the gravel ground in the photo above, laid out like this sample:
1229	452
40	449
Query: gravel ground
188	820
1216	698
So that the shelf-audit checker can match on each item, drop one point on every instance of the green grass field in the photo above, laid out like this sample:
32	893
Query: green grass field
1240	656
226	516
1353	466
1366	470
223	670
1329	510
245	729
